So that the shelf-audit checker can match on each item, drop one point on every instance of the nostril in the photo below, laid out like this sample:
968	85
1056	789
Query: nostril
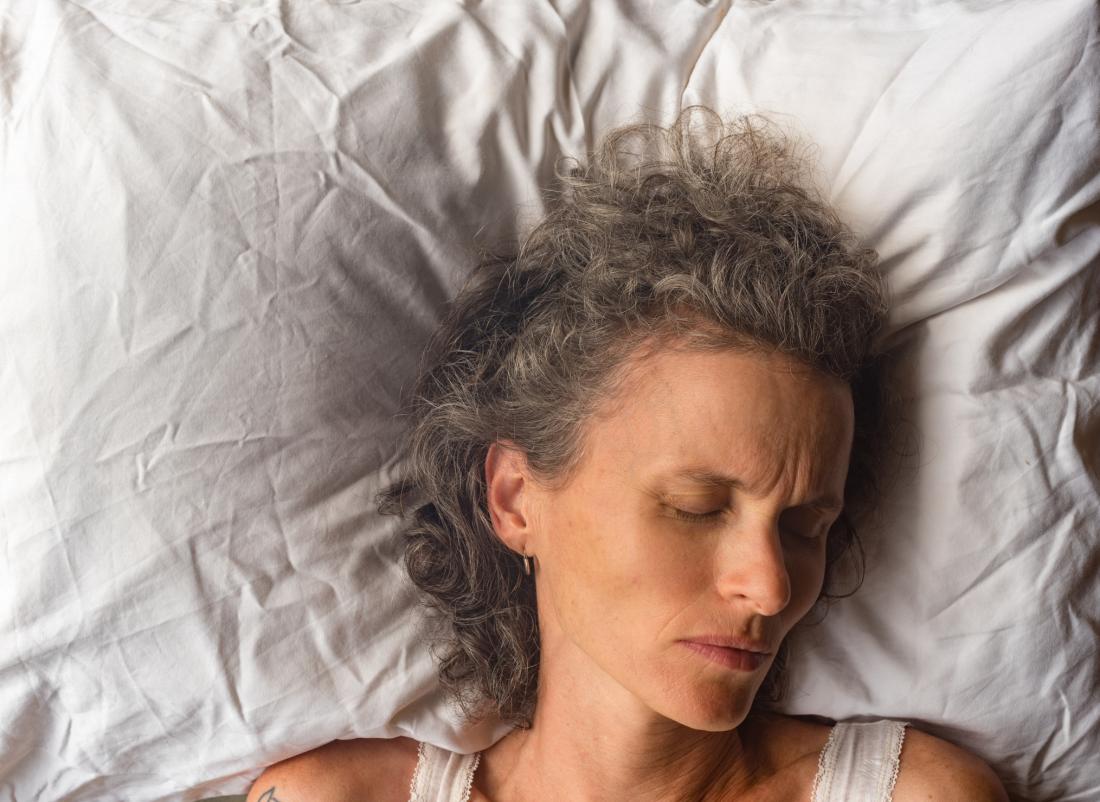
773	598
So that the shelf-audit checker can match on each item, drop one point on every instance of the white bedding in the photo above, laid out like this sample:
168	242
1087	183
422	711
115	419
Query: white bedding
227	229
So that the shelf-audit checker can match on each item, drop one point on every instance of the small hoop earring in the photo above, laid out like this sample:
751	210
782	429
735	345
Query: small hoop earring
527	564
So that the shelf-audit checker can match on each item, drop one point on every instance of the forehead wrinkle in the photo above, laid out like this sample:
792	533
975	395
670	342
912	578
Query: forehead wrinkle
709	479
763	452
761	464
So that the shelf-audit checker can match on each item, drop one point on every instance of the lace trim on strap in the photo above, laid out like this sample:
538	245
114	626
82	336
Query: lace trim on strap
895	760
826	767
414	794
470	771
860	762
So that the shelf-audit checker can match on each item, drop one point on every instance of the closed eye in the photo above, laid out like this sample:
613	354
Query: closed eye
808	532
813	534
807	526
696	517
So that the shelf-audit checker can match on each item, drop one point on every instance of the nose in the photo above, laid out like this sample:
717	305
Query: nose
754	567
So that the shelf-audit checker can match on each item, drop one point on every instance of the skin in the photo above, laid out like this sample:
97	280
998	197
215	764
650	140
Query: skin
621	580
625	711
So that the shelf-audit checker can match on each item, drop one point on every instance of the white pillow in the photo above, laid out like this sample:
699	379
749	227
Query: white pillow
229	231
962	143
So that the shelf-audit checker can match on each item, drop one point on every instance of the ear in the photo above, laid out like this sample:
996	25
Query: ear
509	495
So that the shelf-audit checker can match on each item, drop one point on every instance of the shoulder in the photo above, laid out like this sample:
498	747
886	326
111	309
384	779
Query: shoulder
934	769
786	740
786	748
361	770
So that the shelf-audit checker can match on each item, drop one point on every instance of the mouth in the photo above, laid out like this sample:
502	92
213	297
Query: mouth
744	644
731	658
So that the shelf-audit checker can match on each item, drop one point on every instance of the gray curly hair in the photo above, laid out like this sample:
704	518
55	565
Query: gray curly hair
705	232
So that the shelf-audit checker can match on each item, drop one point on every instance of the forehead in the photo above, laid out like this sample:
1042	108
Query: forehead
764	417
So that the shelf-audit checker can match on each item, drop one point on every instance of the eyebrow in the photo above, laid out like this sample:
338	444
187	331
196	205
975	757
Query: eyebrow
825	503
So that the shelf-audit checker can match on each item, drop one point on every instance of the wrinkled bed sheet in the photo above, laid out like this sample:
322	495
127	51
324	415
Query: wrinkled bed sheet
229	228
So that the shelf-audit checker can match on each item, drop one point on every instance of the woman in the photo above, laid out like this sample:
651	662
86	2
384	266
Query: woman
636	454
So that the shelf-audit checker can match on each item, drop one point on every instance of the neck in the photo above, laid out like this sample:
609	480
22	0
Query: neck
593	738
586	755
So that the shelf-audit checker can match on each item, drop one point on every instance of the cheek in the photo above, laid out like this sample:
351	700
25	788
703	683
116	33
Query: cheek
597	535
590	562
618	572
621	558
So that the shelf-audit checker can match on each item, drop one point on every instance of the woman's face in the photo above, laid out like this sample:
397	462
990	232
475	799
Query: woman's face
753	449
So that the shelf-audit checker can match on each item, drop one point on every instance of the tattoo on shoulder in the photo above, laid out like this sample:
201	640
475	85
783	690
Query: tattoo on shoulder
268	795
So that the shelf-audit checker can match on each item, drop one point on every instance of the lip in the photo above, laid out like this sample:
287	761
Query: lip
726	642
734	659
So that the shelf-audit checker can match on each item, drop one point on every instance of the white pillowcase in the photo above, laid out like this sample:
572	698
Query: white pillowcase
230	229
962	142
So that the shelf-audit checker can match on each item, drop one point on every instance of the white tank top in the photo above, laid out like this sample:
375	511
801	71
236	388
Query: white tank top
858	764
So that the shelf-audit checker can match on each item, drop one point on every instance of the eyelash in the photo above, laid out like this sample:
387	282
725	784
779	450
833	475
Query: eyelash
696	517
707	517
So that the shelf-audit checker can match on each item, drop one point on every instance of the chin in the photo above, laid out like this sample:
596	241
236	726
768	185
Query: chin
725	722
702	700
713	710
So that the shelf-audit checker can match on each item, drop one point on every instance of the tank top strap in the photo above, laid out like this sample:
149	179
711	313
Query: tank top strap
860	762
442	775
